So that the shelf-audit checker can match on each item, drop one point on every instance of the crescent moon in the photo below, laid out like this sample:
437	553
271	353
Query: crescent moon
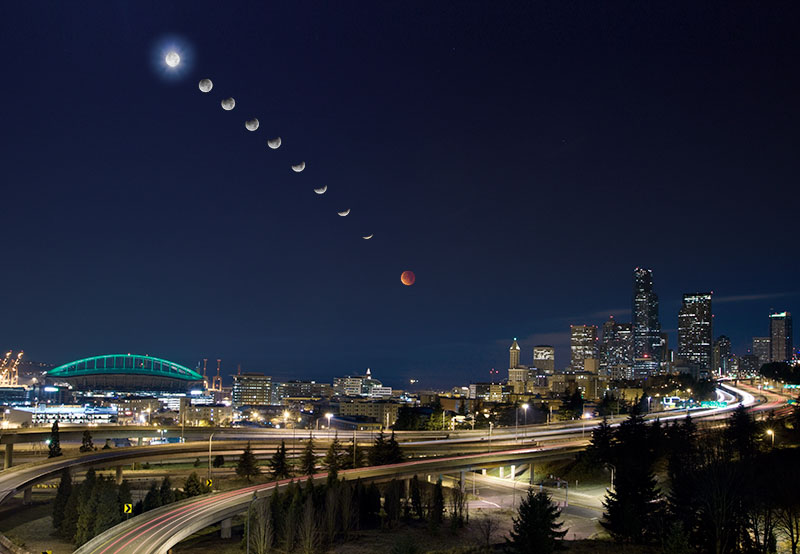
368	236
321	190
274	143
299	167
344	213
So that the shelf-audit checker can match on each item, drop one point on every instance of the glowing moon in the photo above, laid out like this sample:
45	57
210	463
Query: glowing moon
344	213
299	167
228	104
321	190
274	143
408	278
172	59
206	85
251	124
368	236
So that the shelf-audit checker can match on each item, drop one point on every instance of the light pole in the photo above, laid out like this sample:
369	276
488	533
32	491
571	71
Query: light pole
525	412
209	455
490	435
516	424
771	434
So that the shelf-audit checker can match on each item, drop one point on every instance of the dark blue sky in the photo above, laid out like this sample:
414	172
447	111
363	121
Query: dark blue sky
521	158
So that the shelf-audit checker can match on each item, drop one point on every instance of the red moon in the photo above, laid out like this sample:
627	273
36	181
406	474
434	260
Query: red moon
408	278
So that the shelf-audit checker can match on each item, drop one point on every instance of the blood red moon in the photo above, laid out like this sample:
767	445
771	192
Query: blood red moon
408	278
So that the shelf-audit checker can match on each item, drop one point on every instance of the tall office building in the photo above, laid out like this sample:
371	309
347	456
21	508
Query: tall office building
583	345
695	330
251	389
780	333
722	355
544	357
616	350
761	349
513	355
646	326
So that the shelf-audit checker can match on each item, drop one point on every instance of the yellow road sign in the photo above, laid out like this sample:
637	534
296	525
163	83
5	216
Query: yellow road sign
127	509
209	482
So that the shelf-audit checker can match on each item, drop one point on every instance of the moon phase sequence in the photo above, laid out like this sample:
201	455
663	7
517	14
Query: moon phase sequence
228	104
299	167
408	278
321	190
251	124
274	143
205	85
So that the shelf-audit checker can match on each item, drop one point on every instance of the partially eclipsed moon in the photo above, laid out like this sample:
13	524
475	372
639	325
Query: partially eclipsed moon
344	213
299	167
228	104
408	278
368	236
206	85
321	190
274	143
251	124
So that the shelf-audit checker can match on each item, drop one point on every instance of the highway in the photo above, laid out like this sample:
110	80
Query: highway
157	531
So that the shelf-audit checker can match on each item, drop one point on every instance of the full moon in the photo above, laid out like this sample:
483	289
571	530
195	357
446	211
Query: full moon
172	58
205	85
228	104
251	124
408	278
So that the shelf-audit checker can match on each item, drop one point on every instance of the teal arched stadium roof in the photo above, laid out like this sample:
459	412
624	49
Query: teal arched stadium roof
124	364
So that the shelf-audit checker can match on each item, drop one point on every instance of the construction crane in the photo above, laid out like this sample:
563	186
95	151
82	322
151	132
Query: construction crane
9	374
216	383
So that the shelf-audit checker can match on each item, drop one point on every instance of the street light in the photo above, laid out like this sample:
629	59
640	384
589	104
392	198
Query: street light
209	455
771	433
329	416
525	407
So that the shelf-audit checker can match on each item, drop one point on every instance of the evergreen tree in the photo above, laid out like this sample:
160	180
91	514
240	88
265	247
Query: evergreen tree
377	454
632	508
278	465
62	497
394	454
192	485
247	466
138	508
536	528
54	445
308	462
741	433
292	520
333	458
70	521
165	492
372	505
152	499
87	512
436	515
276	511
391	502
308	533
219	460
599	450
353	456
107	508
682	466
416	497
86	442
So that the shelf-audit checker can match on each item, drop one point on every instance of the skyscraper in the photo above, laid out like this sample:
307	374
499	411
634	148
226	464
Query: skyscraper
544	357
780	332
616	350
761	349
513	355
694	330
583	345
722	355
646	327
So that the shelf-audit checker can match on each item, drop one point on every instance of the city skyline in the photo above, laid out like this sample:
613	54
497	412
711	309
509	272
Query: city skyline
142	217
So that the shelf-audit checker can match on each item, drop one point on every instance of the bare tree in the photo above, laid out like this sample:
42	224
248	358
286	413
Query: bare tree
788	523
262	533
487	527
458	504
308	534
331	520
348	509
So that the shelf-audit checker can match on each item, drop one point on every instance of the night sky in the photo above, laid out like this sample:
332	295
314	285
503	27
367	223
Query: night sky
521	158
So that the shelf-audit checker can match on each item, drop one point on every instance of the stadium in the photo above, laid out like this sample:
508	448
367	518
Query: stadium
126	373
